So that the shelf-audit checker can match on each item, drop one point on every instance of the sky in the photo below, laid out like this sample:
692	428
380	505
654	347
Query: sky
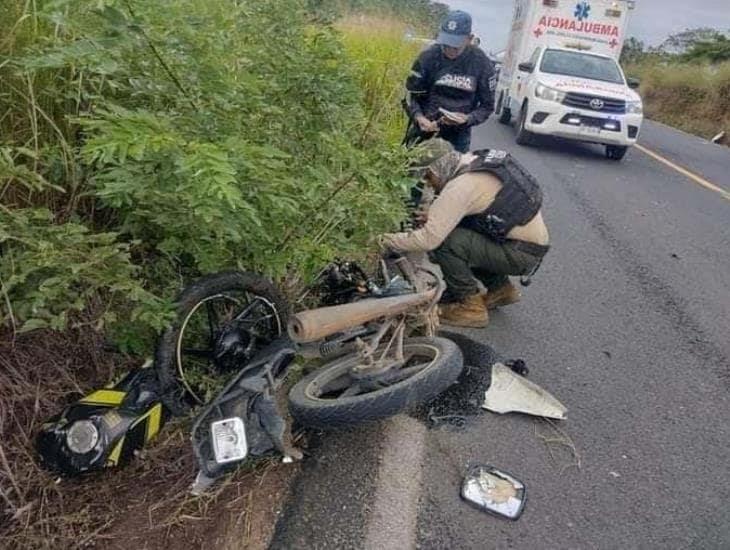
652	20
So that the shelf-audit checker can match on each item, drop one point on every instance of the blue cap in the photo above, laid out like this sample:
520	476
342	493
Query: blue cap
455	29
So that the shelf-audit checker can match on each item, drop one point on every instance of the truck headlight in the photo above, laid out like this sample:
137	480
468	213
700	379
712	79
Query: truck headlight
634	107
82	436
549	94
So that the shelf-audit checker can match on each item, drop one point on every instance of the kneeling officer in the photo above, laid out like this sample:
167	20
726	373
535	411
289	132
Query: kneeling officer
485	224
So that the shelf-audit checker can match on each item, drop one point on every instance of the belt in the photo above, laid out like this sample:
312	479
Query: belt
529	248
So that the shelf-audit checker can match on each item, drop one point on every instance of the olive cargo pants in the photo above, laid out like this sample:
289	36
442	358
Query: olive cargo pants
466	255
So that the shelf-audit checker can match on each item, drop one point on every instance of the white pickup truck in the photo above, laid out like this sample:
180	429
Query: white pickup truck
561	77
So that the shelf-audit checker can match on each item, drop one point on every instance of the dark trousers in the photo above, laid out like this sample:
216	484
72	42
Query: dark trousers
460	139
466	256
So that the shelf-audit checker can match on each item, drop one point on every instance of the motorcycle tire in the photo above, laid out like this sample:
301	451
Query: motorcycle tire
311	410
174	393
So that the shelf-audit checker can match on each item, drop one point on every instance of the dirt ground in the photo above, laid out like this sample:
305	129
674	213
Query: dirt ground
147	502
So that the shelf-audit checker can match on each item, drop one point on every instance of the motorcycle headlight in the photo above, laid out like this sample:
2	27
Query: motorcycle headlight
549	94
634	107
82	436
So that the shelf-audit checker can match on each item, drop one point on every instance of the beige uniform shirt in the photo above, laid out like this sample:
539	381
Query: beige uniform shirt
465	195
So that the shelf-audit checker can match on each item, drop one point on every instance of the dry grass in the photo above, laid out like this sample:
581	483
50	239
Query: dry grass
146	503
38	375
560	446
383	57
693	97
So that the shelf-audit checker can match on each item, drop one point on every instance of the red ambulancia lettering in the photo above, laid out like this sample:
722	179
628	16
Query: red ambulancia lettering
563	23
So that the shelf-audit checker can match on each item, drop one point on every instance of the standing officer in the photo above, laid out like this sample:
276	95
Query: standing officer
451	86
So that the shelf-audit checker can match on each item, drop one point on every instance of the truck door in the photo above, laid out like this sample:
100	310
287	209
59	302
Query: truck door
523	79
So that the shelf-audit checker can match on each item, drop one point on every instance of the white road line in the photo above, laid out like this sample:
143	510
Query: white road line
394	514
699	180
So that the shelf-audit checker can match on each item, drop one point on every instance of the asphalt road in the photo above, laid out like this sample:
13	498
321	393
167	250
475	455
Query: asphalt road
628	324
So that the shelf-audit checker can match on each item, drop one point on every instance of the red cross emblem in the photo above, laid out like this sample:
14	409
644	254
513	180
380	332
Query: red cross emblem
537	32
613	43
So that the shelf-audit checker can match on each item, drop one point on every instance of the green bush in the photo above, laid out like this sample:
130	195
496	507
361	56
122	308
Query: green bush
180	137
716	50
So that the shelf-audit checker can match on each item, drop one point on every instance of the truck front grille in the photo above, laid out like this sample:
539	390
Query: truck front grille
595	103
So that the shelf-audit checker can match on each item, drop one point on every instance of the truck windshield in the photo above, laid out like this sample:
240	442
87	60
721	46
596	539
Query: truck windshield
582	65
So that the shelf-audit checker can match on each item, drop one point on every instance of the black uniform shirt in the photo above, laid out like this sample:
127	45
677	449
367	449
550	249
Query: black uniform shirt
464	84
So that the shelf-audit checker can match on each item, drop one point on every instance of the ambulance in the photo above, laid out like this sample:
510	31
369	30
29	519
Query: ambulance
561	75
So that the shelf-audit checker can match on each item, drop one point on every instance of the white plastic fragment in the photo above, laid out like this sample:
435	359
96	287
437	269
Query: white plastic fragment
510	392
201	484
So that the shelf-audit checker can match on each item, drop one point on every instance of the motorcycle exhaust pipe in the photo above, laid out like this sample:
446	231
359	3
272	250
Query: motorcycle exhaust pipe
316	324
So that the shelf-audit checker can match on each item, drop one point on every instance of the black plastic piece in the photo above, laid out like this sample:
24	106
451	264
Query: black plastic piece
539	118
125	416
518	366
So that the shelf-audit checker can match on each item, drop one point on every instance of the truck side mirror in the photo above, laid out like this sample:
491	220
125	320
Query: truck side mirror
526	67
633	83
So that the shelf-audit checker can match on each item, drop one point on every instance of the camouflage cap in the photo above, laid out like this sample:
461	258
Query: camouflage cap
427	152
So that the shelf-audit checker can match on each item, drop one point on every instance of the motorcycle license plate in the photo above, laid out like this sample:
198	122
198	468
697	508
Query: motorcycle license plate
229	440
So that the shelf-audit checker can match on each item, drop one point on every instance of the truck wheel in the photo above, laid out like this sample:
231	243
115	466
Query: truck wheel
616	152
524	136
504	114
330	397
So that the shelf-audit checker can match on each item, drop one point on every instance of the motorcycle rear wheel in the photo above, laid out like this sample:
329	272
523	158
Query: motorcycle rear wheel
330	397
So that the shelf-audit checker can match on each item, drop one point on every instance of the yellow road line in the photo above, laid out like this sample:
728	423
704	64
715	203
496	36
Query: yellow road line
691	175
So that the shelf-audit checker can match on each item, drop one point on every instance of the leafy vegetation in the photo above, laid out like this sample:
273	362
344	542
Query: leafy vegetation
143	143
685	82
714	50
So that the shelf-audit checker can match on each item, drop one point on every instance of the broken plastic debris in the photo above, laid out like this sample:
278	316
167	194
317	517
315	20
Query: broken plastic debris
510	392
201	484
494	491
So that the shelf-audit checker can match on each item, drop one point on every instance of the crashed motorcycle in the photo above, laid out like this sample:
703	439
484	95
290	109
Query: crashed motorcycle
368	363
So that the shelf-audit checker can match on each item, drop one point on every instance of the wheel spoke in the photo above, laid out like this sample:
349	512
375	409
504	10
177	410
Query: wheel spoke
256	320
249	307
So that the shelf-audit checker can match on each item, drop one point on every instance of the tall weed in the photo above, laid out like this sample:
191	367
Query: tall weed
692	96
377	47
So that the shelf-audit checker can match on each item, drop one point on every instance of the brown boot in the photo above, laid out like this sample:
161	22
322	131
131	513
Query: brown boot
468	313
503	296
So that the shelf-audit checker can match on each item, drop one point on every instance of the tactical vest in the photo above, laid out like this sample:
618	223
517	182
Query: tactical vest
516	203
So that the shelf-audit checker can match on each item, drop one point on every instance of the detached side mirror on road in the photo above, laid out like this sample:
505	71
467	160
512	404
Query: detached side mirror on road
526	67
633	83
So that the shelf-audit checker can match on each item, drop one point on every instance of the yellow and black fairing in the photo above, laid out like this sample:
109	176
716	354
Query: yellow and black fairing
112	423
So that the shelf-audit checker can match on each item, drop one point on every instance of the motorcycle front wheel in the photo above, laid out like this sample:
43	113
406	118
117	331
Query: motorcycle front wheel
330	397
222	320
